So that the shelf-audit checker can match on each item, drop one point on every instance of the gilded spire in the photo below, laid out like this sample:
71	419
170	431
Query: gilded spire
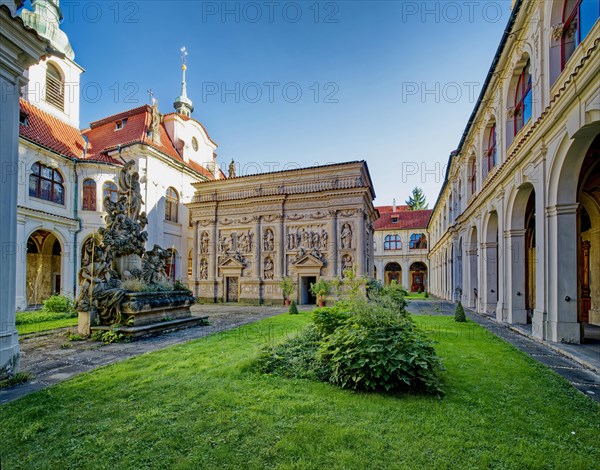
183	105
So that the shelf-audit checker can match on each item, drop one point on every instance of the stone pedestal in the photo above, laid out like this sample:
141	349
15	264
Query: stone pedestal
125	264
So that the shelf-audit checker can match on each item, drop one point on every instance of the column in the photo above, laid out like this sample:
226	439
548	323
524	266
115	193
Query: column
502	286
281	248
516	265
257	248
21	271
360	243
539	311
561	324
195	255
333	244
489	288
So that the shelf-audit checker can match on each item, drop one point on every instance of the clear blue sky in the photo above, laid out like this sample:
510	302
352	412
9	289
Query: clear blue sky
371	62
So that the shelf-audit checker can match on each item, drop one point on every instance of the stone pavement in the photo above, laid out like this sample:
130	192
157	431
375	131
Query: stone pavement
50	362
579	364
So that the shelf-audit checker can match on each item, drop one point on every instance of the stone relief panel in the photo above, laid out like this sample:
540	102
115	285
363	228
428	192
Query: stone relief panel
240	241
307	238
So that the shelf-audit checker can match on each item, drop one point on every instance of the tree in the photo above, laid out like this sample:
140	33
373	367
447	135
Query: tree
417	200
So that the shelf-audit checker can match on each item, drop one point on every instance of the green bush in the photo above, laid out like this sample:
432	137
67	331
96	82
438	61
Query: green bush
293	308
426	294
59	304
376	349
419	291
108	337
392	297
295	358
327	319
459	313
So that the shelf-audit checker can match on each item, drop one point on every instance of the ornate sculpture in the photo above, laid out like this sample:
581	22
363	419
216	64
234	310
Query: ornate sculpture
269	268
324	237
204	240
269	240
347	264
155	265
346	237
232	169
203	269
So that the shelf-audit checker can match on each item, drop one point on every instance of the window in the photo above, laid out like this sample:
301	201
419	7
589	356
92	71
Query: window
171	205
473	176
55	87
46	183
418	241
120	124
23	119
110	190
171	264
523	101
491	150
394	220
578	18
392	242
89	195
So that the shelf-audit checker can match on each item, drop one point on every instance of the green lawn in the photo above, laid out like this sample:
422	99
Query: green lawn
45	326
197	405
415	295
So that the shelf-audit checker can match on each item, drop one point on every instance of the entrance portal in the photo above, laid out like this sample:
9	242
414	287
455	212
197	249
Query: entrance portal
306	296
232	285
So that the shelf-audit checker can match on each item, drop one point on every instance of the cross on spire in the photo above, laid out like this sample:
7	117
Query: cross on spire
183	105
150	96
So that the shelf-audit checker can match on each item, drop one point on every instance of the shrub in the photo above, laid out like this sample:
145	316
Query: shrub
327	319
18	378
59	304
179	285
426	294
459	313
31	318
287	287
376	349
419	291
392	297
108	337
293	308
295	358
320	289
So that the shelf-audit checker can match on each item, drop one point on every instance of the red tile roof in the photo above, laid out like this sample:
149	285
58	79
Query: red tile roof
407	219
51	133
104	137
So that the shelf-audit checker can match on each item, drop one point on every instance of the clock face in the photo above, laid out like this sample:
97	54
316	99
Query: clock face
195	144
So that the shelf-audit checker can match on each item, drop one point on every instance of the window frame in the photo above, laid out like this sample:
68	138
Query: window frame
492	149
392	243
56	86
171	205
86	187
418	241
109	187
523	93
568	19
55	181
473	176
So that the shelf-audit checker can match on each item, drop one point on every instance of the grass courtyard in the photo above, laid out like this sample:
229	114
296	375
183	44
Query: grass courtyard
198	405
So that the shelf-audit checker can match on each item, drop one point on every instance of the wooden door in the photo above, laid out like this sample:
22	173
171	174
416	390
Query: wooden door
232	289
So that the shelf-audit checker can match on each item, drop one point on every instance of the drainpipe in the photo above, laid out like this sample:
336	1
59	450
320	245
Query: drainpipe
76	216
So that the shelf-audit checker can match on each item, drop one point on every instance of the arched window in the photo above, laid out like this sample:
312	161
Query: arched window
392	242
578	19
523	99
55	87
491	150
418	241
109	189
89	195
46	183
473	175
171	205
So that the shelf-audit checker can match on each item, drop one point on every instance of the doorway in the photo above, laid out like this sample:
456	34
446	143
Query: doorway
306	296
232	286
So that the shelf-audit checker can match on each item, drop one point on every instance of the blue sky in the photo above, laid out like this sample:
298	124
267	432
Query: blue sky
390	82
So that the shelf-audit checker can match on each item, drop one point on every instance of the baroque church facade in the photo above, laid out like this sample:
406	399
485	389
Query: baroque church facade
65	172
515	231
304	224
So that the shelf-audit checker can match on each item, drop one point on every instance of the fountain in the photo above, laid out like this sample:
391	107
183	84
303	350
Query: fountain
123	287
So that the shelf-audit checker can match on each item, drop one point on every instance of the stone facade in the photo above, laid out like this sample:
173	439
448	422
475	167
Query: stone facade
305	224
516	228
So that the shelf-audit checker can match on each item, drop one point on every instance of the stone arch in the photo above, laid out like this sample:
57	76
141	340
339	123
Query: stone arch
418	276
491	263
43	266
472	294
393	272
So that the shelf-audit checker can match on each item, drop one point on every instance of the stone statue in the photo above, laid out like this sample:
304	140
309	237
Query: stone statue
204	240
155	265
129	187
269	267
347	264
232	169
269	240
324	240
203	270
155	123
346	236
